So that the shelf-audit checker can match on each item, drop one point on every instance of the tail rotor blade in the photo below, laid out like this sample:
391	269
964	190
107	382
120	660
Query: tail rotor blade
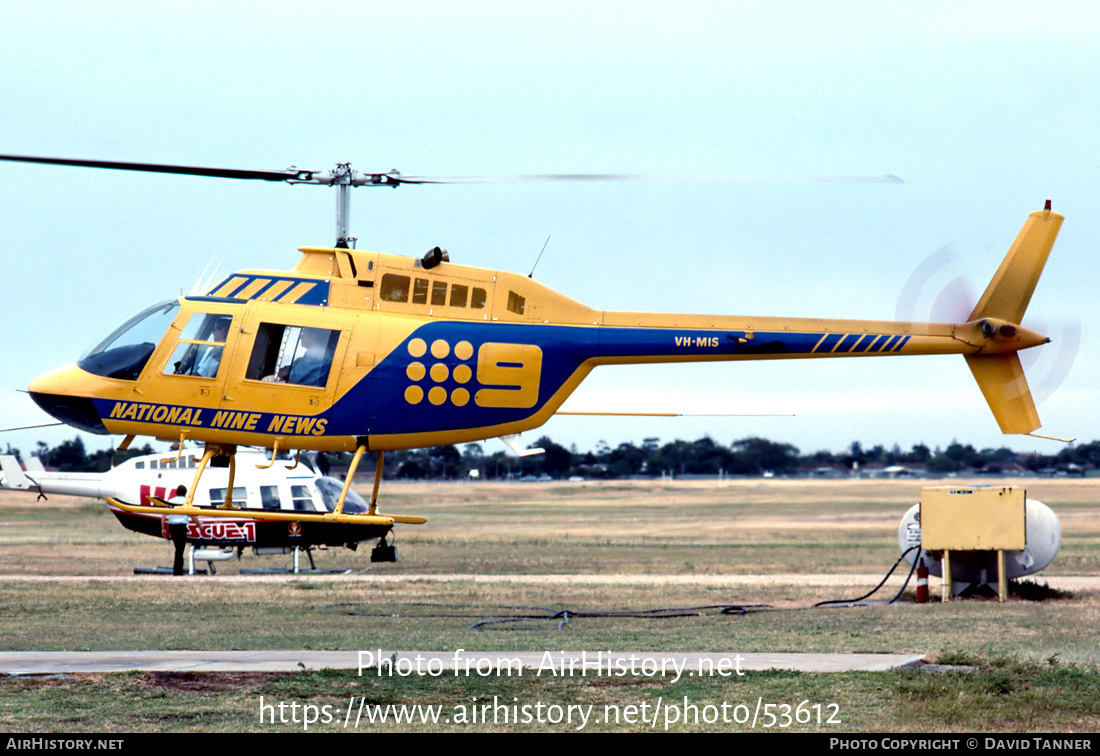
937	291
1049	367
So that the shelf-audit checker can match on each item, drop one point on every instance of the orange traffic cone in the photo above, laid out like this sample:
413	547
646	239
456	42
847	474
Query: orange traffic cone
922	583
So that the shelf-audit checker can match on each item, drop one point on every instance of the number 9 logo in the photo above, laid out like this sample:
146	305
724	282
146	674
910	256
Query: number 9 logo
514	370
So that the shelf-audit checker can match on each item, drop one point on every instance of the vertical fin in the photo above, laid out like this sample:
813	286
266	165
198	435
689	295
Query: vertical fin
13	473
1009	293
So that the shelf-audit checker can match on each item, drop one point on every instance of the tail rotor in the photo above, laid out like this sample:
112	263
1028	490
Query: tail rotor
939	280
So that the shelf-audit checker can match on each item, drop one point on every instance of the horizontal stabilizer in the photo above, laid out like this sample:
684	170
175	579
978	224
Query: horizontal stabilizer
1001	379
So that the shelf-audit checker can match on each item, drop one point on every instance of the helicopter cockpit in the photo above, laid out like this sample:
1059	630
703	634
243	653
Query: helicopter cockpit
123	354
200	346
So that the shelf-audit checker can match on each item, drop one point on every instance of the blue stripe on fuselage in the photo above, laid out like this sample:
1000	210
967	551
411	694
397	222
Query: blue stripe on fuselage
379	405
829	342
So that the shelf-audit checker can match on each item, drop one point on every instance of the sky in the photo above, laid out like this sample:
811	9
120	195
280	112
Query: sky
984	110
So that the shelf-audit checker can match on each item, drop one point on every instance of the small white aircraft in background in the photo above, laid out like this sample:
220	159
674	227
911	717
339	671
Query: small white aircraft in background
277	487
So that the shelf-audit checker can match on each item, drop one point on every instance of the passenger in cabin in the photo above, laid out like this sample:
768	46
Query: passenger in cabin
312	368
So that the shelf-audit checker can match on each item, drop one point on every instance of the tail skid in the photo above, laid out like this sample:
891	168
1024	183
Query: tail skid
1000	376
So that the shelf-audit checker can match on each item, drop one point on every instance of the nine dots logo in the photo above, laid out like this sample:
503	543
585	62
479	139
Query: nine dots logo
438	372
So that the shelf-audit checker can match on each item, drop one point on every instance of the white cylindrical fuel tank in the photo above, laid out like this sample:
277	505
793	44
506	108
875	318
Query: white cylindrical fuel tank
1044	538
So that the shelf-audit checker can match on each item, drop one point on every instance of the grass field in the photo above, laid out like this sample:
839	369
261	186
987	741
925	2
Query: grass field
585	547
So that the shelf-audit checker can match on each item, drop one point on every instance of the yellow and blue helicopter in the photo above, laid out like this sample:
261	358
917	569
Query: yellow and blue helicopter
356	351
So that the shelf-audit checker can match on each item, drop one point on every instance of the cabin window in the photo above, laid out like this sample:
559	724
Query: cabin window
139	465
269	497
302	499
459	294
477	299
516	303
439	293
199	351
291	354
394	288
240	497
420	291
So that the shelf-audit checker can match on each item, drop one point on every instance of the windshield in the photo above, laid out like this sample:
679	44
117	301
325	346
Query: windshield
124	353
330	489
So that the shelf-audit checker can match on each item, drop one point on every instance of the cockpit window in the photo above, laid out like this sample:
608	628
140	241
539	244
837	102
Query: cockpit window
330	489
199	351
124	353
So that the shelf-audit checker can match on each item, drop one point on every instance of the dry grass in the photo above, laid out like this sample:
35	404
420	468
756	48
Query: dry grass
614	545
625	527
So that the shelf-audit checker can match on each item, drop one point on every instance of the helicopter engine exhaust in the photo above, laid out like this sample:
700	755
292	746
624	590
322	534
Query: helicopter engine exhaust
434	256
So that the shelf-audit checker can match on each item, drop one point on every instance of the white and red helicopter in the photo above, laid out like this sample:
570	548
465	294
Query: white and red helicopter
276	486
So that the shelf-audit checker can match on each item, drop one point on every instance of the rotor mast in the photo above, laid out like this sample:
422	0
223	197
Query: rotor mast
342	182
344	178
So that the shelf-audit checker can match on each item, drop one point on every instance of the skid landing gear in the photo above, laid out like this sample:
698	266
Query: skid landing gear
297	569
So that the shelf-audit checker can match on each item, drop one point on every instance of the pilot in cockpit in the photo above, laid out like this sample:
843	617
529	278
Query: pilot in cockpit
208	363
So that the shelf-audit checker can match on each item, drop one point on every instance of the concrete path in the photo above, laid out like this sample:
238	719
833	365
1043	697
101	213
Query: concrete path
62	662
458	663
850	580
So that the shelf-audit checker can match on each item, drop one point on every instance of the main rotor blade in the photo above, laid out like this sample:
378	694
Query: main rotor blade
344	175
187	170
29	427
888	178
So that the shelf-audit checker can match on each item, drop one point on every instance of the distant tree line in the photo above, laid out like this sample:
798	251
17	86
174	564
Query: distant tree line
70	456
745	457
703	457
